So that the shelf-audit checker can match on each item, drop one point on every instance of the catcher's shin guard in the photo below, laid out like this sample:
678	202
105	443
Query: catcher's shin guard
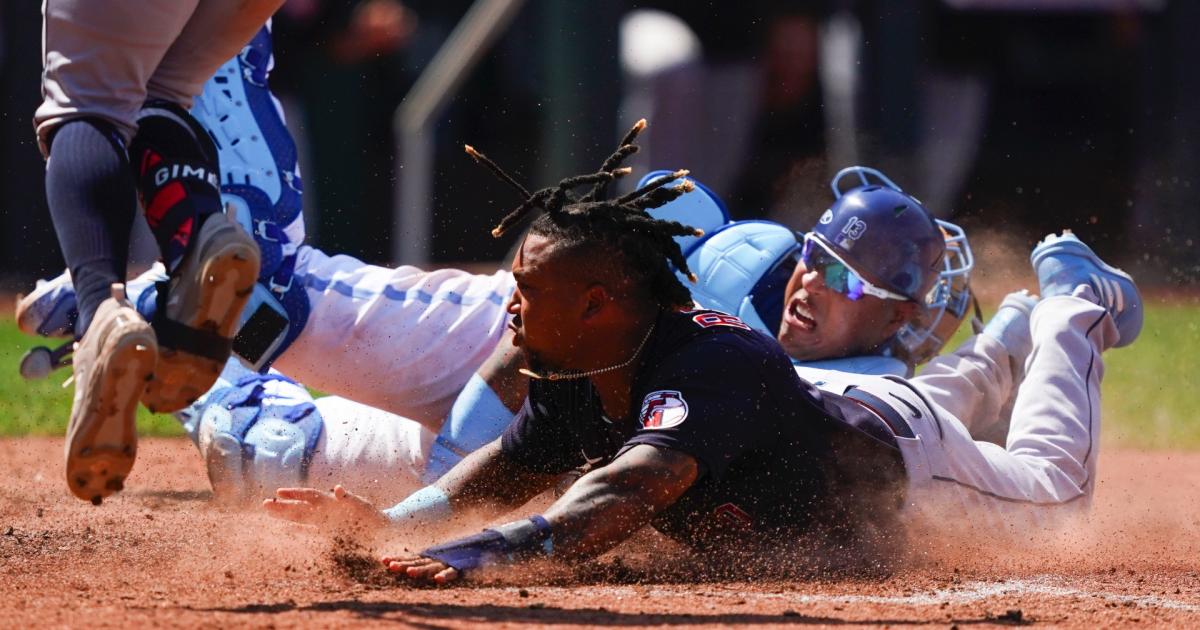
256	433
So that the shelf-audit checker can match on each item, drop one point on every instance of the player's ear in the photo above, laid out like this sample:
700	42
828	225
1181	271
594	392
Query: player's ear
596	300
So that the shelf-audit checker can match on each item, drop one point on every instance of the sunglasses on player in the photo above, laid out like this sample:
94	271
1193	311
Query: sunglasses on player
838	275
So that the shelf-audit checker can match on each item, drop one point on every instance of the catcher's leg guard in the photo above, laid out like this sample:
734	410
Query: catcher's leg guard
256	432
261	187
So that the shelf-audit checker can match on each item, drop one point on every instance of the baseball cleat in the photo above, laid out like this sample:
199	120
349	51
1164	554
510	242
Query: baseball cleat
1063	263
198	312
112	363
50	310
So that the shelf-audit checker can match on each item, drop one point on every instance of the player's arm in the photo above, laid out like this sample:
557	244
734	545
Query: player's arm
483	485
609	504
484	408
487	480
600	510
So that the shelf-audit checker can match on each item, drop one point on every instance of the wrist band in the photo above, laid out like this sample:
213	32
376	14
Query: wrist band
427	505
511	542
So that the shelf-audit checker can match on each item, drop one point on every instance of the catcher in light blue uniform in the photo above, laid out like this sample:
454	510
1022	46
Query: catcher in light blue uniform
417	359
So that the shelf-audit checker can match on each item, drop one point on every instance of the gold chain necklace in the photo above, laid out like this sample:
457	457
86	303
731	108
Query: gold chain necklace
567	376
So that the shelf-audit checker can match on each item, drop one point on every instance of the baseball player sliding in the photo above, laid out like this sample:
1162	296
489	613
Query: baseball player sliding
689	421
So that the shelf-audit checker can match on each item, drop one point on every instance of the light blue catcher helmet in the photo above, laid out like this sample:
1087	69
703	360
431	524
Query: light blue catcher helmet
737	264
700	208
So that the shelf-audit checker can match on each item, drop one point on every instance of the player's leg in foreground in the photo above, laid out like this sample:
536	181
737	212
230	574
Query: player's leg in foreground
1087	307
211	262
101	62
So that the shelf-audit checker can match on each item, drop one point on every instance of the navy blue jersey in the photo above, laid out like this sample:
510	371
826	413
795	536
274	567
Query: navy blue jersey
776	455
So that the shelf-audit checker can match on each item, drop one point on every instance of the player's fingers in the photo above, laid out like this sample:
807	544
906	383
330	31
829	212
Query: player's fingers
403	564
302	494
449	574
425	571
400	557
298	511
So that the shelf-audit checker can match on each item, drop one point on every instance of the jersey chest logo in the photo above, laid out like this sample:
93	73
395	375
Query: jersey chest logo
708	320
663	409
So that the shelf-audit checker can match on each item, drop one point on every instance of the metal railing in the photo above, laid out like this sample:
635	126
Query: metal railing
414	120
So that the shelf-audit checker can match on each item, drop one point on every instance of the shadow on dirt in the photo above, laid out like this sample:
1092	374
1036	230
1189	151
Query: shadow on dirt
433	615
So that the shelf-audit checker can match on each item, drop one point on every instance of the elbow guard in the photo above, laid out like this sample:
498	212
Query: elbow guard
477	417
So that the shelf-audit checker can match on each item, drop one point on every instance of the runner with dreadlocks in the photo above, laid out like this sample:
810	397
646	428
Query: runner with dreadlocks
684	419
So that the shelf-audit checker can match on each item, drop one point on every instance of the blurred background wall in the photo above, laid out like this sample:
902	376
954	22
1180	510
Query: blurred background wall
1016	117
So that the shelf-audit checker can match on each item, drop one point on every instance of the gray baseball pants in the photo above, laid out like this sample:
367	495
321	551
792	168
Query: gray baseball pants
104	58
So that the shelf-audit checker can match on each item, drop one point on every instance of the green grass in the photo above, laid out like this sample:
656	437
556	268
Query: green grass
43	407
1151	393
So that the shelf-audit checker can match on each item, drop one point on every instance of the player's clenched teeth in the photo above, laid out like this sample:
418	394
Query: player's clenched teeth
799	315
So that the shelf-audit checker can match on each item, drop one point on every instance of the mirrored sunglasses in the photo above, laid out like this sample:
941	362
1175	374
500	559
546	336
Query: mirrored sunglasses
838	275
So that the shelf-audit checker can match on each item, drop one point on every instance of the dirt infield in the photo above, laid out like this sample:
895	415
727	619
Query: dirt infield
162	553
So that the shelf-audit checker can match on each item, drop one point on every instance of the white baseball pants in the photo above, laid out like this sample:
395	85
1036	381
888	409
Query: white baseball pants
402	340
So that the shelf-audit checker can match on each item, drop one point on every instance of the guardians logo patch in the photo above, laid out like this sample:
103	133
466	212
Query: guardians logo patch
663	409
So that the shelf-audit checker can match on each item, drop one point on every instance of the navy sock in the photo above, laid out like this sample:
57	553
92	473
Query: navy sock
92	203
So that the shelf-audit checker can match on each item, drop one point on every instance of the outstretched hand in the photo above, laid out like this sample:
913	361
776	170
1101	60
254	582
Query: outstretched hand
421	568
337	510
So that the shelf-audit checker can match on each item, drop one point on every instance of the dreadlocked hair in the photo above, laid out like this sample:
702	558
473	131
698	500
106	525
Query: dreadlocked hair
646	245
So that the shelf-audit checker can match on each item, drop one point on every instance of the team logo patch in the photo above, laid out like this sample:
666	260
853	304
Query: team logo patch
827	218
708	320
663	409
